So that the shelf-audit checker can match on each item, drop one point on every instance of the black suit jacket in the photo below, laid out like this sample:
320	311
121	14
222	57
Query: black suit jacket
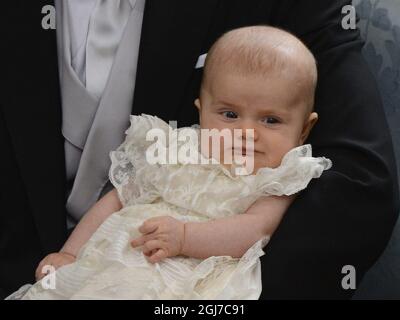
343	218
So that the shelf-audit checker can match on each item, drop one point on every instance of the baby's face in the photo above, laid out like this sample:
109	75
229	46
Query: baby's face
269	105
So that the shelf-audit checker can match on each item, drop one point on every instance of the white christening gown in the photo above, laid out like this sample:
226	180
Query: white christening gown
107	267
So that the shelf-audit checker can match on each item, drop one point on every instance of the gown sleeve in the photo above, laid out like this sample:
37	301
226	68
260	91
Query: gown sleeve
130	158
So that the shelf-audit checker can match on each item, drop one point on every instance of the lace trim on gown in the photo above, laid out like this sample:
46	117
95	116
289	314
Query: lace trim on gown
130	173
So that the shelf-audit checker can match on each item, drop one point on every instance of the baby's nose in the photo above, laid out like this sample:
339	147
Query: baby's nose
248	132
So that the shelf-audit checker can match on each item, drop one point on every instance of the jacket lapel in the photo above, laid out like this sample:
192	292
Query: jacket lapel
33	114
173	33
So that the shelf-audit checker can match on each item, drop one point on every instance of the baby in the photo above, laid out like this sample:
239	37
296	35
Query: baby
196	231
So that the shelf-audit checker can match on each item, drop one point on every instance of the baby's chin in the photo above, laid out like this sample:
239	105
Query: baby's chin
245	166
251	163
262	163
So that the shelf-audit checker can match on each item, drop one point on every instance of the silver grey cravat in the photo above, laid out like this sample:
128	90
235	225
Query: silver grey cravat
105	32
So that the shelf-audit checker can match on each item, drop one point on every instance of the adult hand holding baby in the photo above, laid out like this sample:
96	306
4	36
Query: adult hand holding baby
162	237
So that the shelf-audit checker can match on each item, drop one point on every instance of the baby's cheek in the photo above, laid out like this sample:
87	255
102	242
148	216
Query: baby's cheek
276	154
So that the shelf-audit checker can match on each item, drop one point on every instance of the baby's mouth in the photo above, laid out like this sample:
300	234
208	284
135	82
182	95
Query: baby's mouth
244	152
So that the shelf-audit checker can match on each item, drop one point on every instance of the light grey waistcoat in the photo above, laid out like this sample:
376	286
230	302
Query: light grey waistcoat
93	128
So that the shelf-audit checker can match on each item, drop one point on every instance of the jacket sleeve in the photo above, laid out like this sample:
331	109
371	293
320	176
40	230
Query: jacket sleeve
346	217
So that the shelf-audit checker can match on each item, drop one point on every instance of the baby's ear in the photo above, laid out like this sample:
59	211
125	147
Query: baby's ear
308	125
197	104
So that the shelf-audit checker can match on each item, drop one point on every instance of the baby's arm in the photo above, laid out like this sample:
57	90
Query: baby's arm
99	212
232	236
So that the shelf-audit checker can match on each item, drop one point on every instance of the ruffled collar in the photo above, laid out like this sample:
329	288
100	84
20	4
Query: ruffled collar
298	156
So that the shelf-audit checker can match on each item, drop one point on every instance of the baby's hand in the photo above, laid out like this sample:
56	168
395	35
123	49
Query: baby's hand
55	260
162	237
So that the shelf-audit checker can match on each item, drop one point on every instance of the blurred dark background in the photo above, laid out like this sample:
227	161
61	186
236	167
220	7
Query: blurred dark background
380	28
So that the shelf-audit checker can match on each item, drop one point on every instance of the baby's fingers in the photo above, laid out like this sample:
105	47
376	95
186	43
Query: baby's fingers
149	226
38	273
42	269
140	241
151	245
148	254
158	256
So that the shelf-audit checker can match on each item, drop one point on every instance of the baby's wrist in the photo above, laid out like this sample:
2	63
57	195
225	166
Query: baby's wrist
65	252
183	246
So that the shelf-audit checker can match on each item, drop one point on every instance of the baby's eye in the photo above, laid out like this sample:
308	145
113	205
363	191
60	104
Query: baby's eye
229	114
271	120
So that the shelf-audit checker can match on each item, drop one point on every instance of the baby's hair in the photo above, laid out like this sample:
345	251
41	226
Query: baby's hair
263	50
